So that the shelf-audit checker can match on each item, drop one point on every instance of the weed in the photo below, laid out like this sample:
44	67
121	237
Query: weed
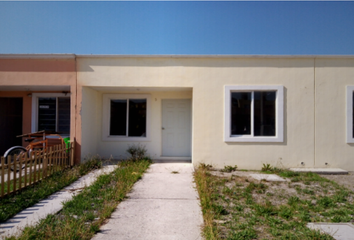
293	200
326	202
265	210
137	152
285	212
204	182
246	234
288	174
205	166
229	169
266	167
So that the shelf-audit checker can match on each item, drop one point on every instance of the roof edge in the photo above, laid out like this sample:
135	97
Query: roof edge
73	56
208	56
38	56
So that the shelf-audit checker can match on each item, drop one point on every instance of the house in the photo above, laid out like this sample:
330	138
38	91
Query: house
36	92
288	111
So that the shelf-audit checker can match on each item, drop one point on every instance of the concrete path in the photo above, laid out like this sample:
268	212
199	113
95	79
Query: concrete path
32	215
163	205
339	231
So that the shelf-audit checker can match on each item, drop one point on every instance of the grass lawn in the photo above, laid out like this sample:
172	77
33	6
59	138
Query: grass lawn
14	203
22	181
82	216
237	206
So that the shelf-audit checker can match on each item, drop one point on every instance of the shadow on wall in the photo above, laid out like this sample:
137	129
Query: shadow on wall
207	62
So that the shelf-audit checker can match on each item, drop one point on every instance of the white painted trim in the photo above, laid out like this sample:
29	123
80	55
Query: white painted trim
279	136
172	158
35	96
349	114
106	117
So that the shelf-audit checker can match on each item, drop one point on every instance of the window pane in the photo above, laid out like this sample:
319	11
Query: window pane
46	114
264	113
137	118
118	123
240	113
64	115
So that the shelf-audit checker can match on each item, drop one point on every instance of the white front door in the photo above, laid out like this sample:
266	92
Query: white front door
176	127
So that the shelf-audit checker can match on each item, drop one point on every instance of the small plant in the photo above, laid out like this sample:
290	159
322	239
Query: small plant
267	167
137	152
205	166
89	165
229	169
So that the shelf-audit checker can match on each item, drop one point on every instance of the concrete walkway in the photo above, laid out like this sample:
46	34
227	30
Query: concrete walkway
163	205
32	215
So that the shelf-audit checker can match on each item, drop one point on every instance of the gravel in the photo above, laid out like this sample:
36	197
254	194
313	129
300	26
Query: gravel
345	180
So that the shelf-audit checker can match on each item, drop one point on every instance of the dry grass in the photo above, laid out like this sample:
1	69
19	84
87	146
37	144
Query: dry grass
236	206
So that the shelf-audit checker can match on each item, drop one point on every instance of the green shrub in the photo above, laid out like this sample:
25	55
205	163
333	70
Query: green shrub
137	152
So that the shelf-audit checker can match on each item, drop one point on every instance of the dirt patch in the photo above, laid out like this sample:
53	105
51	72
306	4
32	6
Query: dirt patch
344	180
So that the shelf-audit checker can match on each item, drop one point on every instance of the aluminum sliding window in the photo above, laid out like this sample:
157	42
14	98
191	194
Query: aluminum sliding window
253	114
128	117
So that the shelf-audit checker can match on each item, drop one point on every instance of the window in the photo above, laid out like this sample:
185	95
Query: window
51	111
350	114
253	114
125	117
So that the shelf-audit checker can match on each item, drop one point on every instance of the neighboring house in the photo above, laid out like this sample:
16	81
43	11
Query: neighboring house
219	110
37	92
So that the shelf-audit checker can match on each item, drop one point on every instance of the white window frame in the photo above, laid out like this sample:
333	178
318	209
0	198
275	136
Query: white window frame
349	112
35	97
279	135
106	117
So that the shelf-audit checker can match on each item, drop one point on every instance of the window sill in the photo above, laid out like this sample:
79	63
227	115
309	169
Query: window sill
124	139
253	139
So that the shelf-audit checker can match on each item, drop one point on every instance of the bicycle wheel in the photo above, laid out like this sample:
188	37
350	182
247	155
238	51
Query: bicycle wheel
18	151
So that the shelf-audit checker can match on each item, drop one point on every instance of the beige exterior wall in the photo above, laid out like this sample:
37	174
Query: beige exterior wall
207	78
92	141
332	78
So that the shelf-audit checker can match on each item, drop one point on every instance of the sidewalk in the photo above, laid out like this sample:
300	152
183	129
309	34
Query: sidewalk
32	215
163	205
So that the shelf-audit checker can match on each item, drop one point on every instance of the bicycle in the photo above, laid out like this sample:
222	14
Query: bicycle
38	141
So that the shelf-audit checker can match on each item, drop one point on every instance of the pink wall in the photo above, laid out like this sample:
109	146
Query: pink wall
56	72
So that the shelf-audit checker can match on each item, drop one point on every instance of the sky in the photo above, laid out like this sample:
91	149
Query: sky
278	28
